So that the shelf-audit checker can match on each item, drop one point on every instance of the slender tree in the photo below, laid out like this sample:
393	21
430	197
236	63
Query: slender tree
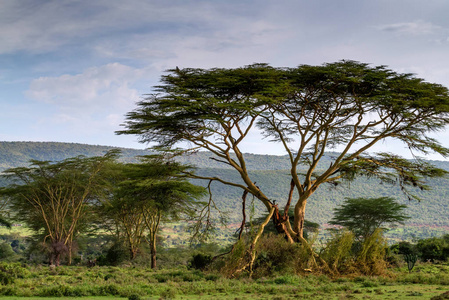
347	106
55	198
147	194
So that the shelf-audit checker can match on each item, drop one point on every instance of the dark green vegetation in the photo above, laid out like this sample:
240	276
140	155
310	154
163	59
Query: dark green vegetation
53	199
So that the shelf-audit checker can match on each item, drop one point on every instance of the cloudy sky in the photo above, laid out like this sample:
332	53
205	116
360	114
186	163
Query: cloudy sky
71	70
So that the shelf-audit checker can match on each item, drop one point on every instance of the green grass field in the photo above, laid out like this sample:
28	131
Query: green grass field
134	282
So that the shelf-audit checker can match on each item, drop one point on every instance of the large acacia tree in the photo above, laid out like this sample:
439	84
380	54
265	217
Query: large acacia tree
55	198
347	106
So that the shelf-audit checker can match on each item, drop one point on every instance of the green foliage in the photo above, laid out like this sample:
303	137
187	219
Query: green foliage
6	251
364	216
434	248
9	272
308	110
200	261
275	255
134	297
169	293
337	252
53	199
346	255
4	222
115	255
144	196
133	282
411	260
266	170
370	260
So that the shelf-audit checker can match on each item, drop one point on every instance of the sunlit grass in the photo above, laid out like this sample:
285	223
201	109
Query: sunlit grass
182	283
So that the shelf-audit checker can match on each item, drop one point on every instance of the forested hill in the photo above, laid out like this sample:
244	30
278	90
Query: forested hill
19	154
270	173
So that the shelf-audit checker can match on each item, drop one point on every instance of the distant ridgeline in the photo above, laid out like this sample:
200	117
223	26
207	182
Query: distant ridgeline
428	217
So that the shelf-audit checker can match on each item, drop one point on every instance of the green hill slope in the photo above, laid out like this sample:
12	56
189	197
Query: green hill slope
430	216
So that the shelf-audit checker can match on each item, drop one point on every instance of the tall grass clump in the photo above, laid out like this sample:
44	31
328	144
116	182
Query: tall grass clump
274	255
338	252
344	254
370	260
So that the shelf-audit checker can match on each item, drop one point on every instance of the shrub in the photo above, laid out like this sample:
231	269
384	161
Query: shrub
200	261
433	248
371	258
168	294
277	255
116	255
134	297
6	251
345	255
10	271
337	252
286	279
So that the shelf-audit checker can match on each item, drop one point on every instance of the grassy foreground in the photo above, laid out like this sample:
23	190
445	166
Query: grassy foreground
28	282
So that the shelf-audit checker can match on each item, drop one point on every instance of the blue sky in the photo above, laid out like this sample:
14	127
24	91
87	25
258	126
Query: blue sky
71	70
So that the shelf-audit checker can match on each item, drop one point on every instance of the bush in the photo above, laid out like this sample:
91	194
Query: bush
337	252
275	255
344	255
433	249
371	259
115	255
200	261
168	294
10	271
134	297
6	251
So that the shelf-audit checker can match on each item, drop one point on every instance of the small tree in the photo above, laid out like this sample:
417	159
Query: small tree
55	198
363	216
147	194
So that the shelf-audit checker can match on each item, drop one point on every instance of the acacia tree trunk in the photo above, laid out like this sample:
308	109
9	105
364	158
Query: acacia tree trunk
152	219
132	252
298	223
281	221
57	249
153	254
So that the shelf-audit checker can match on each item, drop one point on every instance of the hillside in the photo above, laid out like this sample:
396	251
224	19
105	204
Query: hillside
429	215
18	154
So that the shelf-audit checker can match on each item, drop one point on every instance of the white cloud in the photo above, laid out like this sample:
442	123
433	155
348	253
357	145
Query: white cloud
87	105
412	28
96	89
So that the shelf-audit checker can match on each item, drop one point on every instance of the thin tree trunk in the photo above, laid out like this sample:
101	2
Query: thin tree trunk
153	253
57	259
152	222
